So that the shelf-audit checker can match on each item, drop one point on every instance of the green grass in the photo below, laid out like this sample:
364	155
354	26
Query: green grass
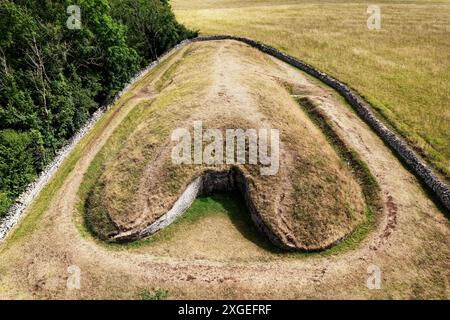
110	150
360	170
225	204
167	76
5	203
229	205
402	70
157	294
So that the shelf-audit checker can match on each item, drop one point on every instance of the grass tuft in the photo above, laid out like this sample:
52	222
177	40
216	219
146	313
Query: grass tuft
157	294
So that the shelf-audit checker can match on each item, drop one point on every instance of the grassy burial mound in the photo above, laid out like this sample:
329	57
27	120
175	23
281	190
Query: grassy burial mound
311	202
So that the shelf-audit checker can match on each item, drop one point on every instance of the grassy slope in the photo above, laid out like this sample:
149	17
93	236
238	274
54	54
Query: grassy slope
151	117
403	70
43	200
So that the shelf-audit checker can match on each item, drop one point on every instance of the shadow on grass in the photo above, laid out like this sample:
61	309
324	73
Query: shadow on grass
232	204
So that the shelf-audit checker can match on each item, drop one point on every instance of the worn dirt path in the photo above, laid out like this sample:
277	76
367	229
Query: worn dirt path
411	243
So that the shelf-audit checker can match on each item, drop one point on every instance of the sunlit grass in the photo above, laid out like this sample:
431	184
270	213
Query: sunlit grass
403	70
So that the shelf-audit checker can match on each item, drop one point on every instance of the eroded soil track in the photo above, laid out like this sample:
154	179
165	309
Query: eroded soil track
410	245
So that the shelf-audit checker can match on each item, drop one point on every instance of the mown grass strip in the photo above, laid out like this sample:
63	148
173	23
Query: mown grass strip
369	185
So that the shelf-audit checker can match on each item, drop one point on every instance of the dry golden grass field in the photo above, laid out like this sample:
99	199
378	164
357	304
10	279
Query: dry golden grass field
403	69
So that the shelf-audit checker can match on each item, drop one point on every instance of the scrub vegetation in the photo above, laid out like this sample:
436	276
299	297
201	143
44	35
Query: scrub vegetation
52	78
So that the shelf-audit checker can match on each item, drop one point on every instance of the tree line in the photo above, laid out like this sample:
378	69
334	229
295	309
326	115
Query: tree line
53	77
